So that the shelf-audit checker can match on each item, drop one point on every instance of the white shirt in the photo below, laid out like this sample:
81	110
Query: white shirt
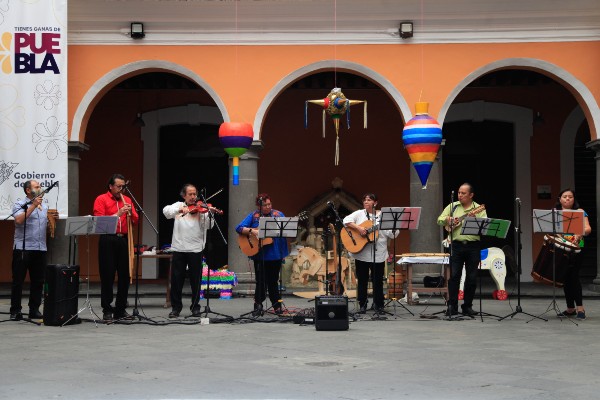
189	231
381	250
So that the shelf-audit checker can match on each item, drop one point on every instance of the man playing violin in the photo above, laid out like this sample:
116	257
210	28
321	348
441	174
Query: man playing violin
29	254
271	256
466	250
113	250
192	222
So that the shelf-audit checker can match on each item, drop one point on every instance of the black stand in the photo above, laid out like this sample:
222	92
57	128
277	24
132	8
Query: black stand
485	227
140	210
558	225
196	301
518	246
258	308
86	226
397	219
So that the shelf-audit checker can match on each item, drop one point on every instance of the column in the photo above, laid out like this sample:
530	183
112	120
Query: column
595	145
58	248
241	202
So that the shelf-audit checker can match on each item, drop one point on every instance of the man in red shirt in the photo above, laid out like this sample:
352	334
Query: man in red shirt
113	251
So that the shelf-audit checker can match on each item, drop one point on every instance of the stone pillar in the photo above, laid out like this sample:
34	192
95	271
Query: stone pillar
59	246
595	145
428	238
241	202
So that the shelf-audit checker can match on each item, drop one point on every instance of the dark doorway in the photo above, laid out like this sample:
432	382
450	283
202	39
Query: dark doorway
193	154
482	153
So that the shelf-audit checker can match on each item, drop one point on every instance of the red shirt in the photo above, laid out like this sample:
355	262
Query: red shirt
107	204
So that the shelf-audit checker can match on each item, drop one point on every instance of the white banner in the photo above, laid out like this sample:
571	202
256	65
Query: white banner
33	100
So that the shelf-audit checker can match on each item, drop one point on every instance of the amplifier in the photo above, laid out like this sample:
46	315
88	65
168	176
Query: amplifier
331	313
61	294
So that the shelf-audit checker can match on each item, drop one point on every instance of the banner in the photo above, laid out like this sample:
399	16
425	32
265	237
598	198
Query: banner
33	101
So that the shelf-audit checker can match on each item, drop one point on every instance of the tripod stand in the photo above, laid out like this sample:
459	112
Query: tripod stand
485	227
518	308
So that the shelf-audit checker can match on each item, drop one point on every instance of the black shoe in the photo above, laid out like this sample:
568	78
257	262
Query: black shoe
378	309
196	312
123	316
17	316
107	316
452	310
363	309
568	313
174	314
35	314
258	310
468	311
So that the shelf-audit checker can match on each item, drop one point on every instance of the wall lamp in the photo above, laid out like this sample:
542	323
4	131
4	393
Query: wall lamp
137	30
406	30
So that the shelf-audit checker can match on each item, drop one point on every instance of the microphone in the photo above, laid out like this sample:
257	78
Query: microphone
127	183
50	187
331	204
518	200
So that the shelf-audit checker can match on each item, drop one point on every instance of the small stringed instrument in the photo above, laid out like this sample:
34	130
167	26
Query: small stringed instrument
449	229
249	243
336	285
354	242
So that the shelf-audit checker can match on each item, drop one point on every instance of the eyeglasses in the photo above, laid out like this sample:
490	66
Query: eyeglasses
119	186
267	205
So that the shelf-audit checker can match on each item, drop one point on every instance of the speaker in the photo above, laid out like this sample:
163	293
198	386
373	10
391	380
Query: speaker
331	313
61	294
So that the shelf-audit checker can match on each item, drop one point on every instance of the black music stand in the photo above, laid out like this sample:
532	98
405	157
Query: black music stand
485	227
86	226
398	219
277	227
556	222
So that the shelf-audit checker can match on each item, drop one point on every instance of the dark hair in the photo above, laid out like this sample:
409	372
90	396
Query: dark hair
261	198
471	189
184	189
558	206
114	177
27	185
372	196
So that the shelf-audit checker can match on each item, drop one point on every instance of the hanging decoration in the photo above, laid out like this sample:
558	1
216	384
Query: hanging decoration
422	137
236	138
336	105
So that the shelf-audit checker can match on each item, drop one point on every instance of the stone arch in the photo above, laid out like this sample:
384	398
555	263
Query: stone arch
349	66
567	143
106	82
574	85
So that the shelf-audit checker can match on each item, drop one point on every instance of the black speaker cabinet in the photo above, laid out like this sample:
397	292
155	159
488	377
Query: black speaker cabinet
61	293
331	313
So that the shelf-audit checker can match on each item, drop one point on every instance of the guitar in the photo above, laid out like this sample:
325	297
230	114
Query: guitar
336	286
476	210
249	243
354	242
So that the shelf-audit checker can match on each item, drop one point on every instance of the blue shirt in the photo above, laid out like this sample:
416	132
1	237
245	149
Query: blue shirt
276	251
37	223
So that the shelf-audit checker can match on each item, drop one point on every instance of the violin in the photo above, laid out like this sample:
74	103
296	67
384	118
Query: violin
203	208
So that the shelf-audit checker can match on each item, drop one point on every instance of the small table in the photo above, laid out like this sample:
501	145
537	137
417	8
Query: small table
410	259
170	258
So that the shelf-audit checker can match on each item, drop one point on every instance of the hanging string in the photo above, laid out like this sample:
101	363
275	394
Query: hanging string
422	55
335	43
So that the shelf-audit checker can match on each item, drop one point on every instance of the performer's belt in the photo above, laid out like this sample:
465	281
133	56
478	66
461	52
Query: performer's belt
465	242
120	234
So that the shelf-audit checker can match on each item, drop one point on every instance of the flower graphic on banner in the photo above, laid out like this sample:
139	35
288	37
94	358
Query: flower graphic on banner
47	95
5	41
12	116
51	138
6	169
3	10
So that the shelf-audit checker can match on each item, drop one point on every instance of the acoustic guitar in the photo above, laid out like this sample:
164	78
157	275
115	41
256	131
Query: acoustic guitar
354	242
249	243
457	225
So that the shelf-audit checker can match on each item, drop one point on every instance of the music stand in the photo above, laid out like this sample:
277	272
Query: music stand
277	227
485	227
394	219
557	221
89	225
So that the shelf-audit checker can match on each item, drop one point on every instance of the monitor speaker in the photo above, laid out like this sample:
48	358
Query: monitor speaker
331	313
61	294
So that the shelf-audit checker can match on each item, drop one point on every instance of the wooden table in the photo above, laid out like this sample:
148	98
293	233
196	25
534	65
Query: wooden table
170	258
411	259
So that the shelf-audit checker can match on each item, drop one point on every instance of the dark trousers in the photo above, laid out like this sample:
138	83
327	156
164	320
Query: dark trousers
193	261
266	278
469	254
362	274
35	262
113	257
572	287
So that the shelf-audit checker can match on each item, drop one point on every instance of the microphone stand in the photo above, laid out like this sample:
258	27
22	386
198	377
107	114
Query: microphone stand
211	221
518	246
141	211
